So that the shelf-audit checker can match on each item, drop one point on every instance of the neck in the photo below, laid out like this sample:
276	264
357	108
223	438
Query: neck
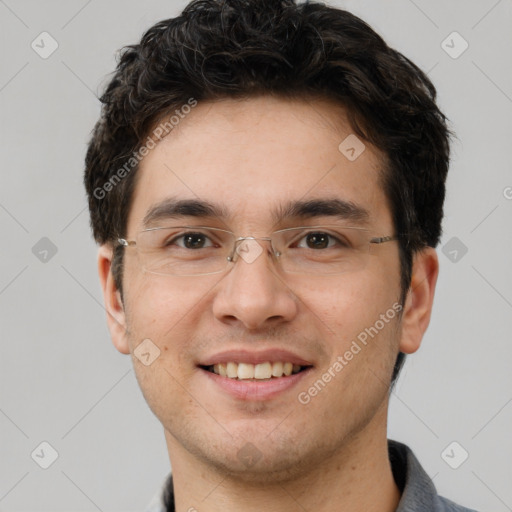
355	477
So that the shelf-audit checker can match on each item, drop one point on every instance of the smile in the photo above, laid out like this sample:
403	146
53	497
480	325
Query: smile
261	371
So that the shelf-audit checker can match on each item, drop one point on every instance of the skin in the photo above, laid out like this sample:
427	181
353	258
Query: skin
330	454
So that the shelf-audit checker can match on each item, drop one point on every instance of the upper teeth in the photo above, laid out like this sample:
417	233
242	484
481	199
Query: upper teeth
255	371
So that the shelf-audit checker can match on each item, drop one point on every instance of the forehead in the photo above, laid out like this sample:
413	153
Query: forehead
256	157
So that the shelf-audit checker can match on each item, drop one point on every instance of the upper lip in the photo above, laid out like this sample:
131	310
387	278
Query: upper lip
254	357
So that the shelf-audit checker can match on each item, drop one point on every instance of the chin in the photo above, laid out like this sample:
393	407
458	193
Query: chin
275	469
258	458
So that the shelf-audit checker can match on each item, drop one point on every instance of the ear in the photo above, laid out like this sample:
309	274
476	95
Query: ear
116	318
418	303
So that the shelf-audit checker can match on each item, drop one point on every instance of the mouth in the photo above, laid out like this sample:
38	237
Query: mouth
261	381
254	375
264	371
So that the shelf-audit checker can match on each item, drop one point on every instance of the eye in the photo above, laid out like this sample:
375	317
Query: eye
320	240
191	241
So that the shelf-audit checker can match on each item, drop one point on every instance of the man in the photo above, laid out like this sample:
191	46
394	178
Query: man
266	183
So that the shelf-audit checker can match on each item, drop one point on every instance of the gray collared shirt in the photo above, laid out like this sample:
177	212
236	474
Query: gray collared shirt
418	491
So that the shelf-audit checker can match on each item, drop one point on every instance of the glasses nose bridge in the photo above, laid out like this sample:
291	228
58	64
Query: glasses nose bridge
237	241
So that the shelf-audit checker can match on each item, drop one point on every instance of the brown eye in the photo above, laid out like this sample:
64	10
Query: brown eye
317	240
194	241
191	241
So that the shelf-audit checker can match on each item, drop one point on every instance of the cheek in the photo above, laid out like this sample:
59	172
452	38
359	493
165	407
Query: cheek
346	304
156	298
164	310
348	314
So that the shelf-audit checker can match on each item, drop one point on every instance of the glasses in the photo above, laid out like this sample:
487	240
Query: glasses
202	250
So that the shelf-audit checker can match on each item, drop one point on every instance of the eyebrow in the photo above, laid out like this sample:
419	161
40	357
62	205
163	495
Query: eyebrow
173	208
339	208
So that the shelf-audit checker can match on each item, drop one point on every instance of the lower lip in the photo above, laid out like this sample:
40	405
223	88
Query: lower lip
254	390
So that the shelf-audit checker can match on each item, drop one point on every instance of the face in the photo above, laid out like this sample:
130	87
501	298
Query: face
251	159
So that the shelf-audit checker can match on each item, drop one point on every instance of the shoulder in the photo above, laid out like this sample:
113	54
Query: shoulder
446	505
418	491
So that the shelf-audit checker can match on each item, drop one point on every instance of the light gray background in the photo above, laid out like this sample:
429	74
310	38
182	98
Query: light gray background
62	381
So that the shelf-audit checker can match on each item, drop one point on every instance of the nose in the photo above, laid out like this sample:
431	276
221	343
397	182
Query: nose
253	292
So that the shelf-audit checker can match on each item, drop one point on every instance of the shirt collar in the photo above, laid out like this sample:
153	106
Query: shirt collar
418	491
